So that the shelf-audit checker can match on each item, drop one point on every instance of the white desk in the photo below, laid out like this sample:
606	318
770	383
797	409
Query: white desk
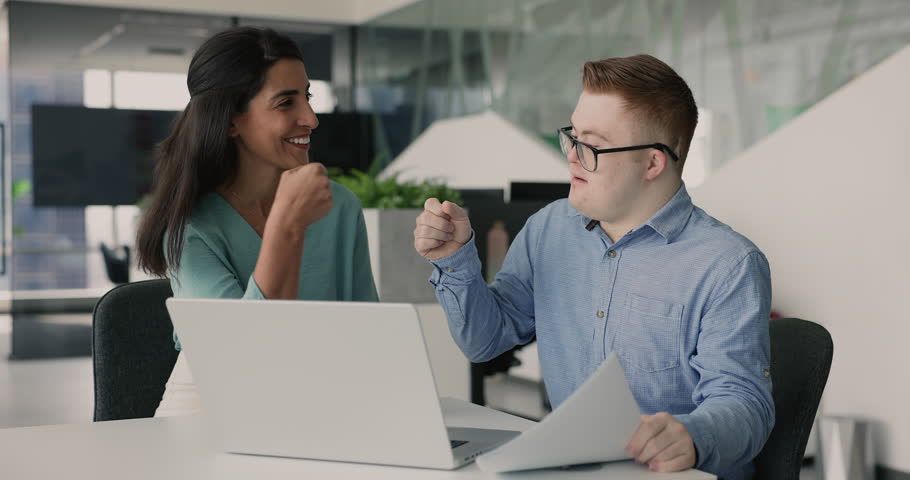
178	448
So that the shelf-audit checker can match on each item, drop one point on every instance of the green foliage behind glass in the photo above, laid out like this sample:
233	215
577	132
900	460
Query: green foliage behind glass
392	193
20	188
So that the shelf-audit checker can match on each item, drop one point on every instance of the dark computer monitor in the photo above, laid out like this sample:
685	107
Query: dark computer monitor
104	156
343	140
538	191
92	156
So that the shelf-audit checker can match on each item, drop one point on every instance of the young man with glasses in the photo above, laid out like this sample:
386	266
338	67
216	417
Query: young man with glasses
627	264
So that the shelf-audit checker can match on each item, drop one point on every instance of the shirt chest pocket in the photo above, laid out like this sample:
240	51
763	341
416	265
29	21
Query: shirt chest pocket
649	333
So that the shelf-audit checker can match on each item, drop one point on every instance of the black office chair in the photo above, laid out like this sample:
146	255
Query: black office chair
132	350
116	263
801	353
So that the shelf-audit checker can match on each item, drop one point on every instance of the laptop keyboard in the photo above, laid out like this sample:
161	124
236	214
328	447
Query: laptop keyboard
457	443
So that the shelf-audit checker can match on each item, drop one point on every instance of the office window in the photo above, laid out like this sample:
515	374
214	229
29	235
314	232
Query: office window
134	90
123	90
96	88
164	91
150	90
323	100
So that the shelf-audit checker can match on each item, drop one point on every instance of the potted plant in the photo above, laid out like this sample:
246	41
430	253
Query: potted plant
390	207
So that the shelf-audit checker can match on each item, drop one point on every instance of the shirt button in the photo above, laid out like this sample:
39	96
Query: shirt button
611	254
600	314
450	269
766	373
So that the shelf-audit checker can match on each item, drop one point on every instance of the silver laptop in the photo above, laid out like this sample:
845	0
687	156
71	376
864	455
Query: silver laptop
343	381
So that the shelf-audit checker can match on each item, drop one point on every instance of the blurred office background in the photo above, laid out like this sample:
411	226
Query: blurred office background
384	71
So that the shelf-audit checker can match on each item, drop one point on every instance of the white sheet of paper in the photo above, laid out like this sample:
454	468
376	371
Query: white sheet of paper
593	425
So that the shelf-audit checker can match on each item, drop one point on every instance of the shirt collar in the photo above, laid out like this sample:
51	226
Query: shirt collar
668	221
672	217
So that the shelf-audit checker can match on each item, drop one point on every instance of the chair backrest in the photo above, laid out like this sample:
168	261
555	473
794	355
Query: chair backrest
132	350
116	263
801	353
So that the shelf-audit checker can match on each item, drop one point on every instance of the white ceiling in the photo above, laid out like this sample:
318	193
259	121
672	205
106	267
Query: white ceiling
78	36
349	12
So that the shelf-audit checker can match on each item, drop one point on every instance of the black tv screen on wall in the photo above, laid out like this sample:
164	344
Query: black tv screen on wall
96	156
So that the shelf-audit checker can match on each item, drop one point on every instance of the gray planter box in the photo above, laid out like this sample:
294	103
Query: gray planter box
400	273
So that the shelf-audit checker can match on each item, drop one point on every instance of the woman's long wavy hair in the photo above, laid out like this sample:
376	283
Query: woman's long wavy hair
225	73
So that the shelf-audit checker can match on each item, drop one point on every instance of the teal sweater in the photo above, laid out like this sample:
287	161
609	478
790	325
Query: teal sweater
220	250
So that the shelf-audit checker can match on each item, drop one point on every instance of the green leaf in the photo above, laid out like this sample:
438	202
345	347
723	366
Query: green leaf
20	188
391	192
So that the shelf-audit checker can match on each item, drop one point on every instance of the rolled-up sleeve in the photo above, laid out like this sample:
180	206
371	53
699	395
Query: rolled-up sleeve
735	412
487	320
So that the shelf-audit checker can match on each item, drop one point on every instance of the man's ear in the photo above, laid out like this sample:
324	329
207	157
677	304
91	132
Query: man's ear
657	163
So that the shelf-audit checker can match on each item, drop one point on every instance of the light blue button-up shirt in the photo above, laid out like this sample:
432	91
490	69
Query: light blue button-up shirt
683	300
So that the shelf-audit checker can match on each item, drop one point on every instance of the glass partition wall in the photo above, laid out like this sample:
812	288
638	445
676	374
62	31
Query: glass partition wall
108	59
73	195
752	65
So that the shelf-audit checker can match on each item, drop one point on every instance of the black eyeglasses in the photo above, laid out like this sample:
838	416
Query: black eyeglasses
587	154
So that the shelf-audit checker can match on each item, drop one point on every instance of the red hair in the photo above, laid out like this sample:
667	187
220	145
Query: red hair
655	94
